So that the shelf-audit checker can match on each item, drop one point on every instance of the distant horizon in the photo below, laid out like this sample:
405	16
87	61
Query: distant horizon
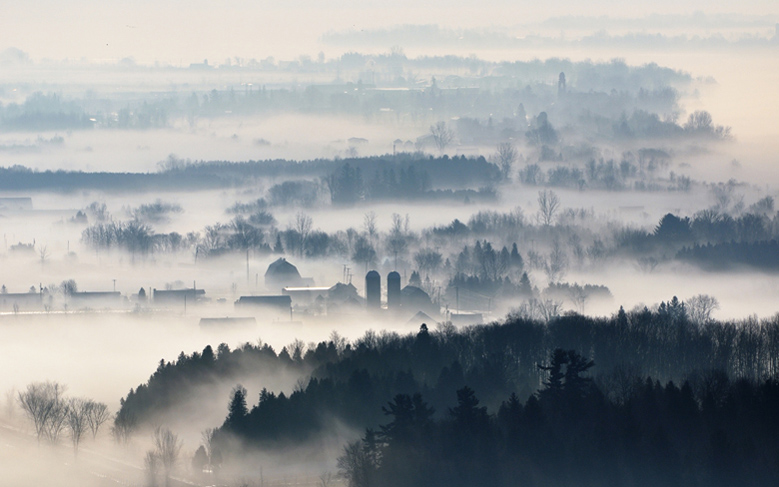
161	32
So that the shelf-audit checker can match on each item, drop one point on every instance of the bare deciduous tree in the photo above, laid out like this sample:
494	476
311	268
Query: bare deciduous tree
442	136
124	425
213	238
357	465
68	287
57	420
506	157
578	297
700	307
428	260
548	204
303	224
399	224
97	415
207	436
77	419
549	309
364	252
151	464
369	222
557	263
98	212
167	448
536	309
397	242
44	404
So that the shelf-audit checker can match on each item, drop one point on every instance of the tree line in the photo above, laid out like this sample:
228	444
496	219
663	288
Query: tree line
350	381
572	432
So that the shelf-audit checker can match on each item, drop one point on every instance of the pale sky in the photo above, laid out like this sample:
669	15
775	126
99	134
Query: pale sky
180	32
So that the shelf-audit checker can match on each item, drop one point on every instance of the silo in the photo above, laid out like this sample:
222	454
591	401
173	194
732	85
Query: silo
393	290
373	289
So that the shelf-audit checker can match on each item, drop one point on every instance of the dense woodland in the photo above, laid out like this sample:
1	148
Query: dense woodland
571	434
625	370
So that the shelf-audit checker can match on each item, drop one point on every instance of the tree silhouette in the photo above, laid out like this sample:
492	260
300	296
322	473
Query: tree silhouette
553	385
167	448
467	414
364	253
97	415
548	204
237	409
565	376
45	405
410	416
345	185
506	156
442	135
700	307
360	461
673	229
77	419
575	384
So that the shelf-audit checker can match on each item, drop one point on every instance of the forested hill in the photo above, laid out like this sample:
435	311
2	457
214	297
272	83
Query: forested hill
717	433
351	382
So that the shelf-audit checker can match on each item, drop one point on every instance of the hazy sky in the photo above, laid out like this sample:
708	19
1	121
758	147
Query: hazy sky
181	32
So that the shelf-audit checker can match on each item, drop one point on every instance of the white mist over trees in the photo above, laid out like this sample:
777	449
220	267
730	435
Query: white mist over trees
547	207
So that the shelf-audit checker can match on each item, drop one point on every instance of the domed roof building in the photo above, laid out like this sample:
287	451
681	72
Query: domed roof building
282	274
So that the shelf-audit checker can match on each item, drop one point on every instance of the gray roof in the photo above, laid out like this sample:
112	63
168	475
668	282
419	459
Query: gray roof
280	267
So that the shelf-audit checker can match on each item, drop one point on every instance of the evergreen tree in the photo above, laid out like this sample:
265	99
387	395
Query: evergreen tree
576	385
525	288
622	317
467	415
516	259
237	410
553	385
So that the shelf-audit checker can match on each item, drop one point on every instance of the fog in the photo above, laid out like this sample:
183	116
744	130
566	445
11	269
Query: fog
223	135
161	31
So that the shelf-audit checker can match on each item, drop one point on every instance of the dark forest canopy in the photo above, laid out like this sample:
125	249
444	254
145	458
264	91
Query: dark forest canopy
350	382
714	433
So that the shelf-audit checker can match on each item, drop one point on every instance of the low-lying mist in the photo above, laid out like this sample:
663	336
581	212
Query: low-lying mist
287	136
602	192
